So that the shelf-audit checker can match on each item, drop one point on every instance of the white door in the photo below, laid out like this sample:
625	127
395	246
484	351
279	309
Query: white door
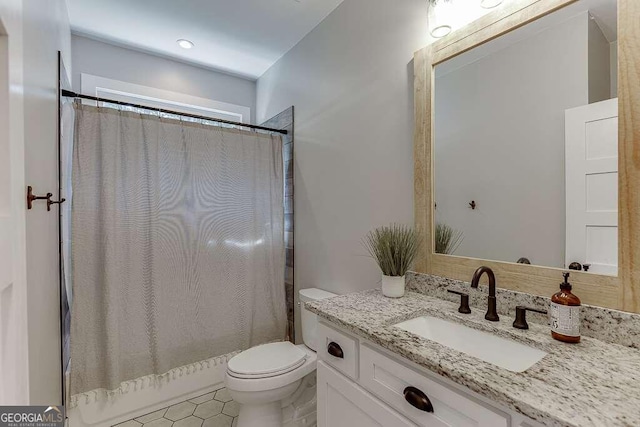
591	162
342	403
13	311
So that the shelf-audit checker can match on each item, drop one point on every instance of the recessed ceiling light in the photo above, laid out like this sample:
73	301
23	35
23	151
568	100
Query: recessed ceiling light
490	4
185	44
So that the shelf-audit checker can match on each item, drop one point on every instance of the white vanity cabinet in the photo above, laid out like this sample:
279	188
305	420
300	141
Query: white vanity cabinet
362	385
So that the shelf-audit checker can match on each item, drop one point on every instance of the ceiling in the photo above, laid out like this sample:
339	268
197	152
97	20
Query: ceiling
241	37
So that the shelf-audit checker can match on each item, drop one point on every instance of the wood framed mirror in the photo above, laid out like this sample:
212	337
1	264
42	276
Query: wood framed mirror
612	289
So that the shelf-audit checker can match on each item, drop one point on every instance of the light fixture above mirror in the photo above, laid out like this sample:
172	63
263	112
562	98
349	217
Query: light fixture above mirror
446	16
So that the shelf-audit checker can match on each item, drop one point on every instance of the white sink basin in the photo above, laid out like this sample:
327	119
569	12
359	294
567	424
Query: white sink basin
501	352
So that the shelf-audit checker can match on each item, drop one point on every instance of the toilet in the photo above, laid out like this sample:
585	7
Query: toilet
261	378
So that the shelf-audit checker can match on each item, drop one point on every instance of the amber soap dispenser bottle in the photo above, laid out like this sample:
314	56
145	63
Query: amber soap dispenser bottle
565	314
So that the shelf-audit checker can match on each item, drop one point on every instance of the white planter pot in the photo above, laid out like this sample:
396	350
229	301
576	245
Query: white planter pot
392	286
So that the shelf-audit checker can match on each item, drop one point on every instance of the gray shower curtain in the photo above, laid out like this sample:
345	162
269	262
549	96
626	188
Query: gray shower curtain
177	244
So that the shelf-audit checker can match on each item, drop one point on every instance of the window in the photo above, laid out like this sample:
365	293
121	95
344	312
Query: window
160	98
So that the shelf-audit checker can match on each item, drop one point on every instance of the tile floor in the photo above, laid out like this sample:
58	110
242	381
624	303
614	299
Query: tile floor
215	409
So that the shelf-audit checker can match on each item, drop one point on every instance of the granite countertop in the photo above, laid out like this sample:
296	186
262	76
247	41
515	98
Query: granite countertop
592	383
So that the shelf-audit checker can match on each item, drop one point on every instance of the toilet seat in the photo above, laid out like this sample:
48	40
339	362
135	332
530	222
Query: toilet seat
233	382
266	361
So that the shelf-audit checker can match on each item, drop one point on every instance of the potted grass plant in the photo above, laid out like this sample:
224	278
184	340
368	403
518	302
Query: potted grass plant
394	248
447	239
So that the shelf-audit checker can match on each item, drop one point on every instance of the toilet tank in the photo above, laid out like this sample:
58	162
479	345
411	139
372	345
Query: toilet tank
309	320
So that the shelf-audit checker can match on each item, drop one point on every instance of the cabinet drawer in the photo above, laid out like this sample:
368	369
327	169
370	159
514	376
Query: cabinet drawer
389	379
338	350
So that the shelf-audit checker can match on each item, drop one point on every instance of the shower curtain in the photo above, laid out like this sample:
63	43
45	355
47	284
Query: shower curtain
177	244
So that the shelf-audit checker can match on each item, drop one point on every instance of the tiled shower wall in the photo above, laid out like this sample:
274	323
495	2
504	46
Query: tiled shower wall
285	121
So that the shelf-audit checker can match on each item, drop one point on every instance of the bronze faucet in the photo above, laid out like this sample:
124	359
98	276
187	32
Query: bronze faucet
492	313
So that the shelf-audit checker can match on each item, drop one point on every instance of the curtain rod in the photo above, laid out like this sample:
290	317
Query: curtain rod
70	94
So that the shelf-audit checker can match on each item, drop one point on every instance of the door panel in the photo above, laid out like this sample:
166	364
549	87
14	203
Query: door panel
14	389
591	159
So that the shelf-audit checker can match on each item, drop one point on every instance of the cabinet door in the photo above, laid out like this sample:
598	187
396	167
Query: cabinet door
342	403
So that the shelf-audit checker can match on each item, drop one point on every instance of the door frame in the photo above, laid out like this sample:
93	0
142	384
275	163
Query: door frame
63	83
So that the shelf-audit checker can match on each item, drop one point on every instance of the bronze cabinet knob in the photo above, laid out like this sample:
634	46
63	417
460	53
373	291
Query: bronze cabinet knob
416	398
335	350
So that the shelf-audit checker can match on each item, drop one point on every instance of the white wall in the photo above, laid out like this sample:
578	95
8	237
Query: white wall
351	82
131	66
46	30
31	356
499	132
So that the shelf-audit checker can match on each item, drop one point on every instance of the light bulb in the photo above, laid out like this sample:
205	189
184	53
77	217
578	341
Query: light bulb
441	31
441	17
490	4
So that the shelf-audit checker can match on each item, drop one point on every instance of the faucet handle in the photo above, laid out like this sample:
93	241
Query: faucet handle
464	301
521	316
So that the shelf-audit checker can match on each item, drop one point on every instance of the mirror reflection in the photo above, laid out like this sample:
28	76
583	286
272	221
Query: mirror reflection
526	144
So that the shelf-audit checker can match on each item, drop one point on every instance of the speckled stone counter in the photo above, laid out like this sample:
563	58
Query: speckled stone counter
605	324
592	383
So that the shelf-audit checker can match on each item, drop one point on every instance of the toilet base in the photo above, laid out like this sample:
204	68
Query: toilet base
266	415
261	399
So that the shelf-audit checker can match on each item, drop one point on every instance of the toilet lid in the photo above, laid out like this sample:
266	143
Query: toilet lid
267	360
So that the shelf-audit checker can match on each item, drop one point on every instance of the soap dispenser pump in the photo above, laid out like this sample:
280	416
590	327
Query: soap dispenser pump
565	314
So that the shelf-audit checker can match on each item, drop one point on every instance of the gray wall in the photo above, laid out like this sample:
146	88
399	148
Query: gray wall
613	57
118	63
351	82
599	64
501	143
